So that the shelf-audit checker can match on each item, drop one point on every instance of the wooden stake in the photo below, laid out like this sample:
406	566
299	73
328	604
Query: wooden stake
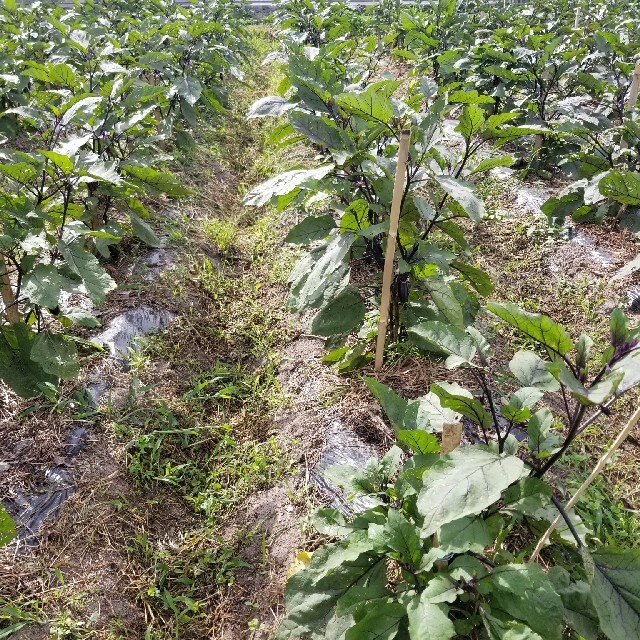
387	278
596	471
11	312
634	89
632	99
451	438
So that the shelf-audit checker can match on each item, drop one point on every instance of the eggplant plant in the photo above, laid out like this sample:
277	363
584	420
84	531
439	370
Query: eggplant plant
91	98
354	123
442	550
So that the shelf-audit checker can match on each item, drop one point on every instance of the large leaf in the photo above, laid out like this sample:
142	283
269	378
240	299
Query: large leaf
537	326
318	129
320	274
459	345
372	104
463	193
283	184
526	593
144	231
531	371
425	413
462	483
444	298
43	285
471	121
312	594
55	355
97	282
269	106
311	229
471	533
429	621
579	611
467	405
17	369
156	181
341	315
614	575
622	186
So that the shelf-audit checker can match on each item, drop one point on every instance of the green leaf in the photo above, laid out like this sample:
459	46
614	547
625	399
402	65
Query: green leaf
372	105
462	483
311	229
43	285
491	163
537	326
428	621
457	344
21	172
467	406
17	369
144	231
7	527
463	193
399	535
541	441
274	106
622	186
478	279
188	88
61	161
471	121
531	371
284	184
319	129
579	611
312	594
471	533
527	496
618	327
341	315
379	623
424	413
499	629
321	274
355	218
418	441
526	593
446	301
614	575
97	282
156	181
595	394
56	355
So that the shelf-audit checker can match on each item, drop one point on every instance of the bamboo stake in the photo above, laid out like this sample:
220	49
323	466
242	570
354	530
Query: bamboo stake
596	471
451	438
632	99
387	278
634	89
11	311
576	24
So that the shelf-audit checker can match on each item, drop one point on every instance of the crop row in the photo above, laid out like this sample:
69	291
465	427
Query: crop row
94	100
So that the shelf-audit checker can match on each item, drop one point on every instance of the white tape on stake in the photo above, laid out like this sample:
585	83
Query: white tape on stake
387	278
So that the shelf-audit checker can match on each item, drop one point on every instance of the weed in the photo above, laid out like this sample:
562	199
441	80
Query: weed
221	233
